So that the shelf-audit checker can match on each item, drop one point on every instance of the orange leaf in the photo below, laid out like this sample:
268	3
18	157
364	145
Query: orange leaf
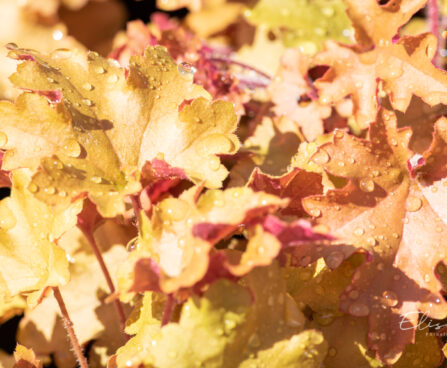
387	212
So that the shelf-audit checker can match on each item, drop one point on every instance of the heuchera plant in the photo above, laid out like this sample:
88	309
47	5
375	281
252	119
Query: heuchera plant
197	199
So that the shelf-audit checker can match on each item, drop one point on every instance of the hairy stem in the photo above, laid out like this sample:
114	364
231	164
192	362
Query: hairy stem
105	271
433	19
82	361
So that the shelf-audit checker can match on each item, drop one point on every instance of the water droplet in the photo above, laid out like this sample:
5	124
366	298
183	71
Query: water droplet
49	190
358	309
389	298
320	157
334	259
11	46
87	102
96	179
353	294
132	245
339	134
359	231
186	69
328	11
380	266
315	212
229	324
61	53
367	185
214	163
87	86
58	35
72	148
3	140
8	220
174	209
100	70
33	188
427	277
371	241
332	352
216	143
62	193
414	204
58	165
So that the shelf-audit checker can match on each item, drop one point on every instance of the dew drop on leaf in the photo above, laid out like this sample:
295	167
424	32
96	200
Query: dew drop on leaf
3	139
62	53
214	163
320	157
328	11
414	204
33	188
175	210
229	324
96	179
11	46
315	212
72	148
332	352
339	134
359	231
367	185
216	143
49	190
8	220
354	294
87	86
358	309
132	245
371	241
100	70
186	69
389	298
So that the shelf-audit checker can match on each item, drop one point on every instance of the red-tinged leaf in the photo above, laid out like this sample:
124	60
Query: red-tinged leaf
174	244
385	211
375	22
404	68
289	86
157	178
305	245
295	185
